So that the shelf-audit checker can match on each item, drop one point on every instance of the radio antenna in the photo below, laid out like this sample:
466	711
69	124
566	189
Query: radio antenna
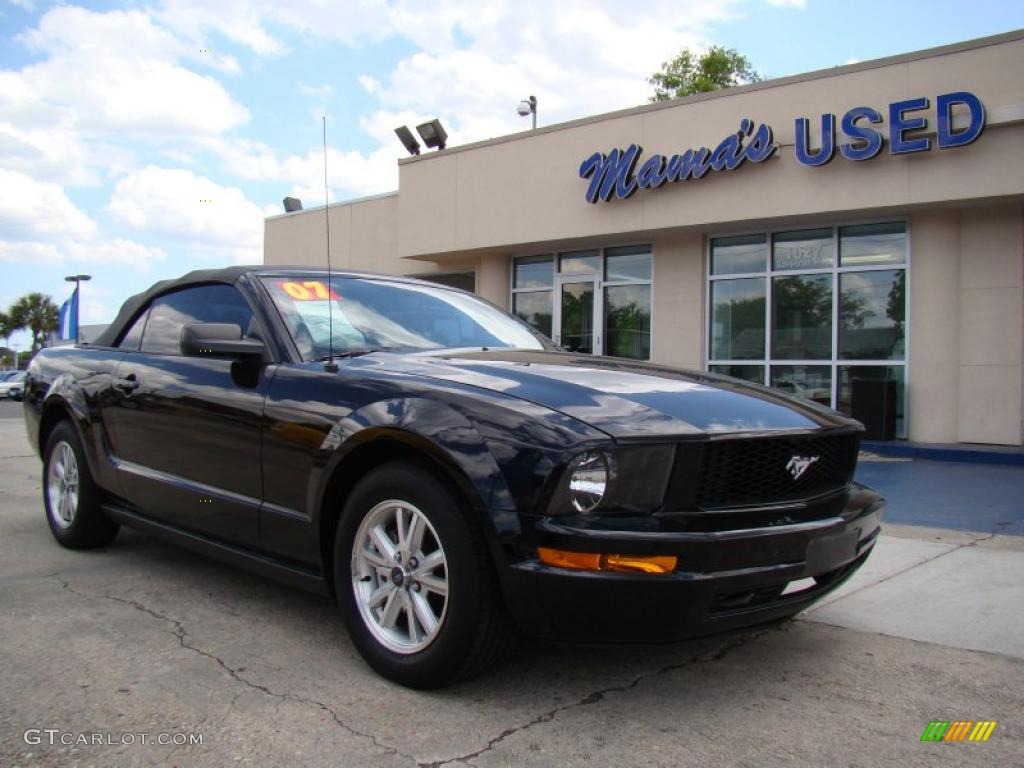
330	365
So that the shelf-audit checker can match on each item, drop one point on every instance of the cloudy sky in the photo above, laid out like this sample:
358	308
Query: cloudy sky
141	140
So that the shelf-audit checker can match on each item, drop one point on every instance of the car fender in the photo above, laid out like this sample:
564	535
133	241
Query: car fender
438	431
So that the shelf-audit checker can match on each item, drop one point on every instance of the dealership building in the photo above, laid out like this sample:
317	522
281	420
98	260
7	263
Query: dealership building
854	235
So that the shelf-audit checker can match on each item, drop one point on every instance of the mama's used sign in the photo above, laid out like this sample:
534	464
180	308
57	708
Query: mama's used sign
621	173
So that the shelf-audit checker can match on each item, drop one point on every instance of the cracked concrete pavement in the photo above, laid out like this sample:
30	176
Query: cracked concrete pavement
146	638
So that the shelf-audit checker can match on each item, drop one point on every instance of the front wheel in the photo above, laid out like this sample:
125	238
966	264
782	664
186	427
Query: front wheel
414	580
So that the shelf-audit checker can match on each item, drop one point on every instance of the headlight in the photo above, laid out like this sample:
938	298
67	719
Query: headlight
588	481
625	480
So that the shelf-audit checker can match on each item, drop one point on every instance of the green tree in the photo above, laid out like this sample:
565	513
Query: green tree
688	73
37	313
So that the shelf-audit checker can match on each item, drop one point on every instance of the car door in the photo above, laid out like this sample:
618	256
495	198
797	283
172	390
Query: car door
187	429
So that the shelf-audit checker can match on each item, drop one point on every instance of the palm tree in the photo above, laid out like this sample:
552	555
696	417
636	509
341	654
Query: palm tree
7	327
37	313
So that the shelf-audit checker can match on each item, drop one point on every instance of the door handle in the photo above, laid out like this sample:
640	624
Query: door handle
128	384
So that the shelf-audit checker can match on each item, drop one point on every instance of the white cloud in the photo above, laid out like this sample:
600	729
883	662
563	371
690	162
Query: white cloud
30	208
788	3
118	252
134	81
349	173
181	206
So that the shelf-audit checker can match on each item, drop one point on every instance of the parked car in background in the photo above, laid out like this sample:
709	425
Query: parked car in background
12	385
441	469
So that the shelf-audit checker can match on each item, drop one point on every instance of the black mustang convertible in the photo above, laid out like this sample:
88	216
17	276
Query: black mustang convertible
442	470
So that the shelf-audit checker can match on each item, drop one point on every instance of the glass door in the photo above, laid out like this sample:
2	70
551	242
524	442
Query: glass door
576	314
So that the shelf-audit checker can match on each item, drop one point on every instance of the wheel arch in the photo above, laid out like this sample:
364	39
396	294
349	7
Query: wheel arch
375	446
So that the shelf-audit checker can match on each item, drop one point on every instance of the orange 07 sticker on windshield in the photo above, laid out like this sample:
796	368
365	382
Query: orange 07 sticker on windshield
307	290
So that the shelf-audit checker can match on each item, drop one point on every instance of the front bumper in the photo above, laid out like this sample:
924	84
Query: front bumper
723	580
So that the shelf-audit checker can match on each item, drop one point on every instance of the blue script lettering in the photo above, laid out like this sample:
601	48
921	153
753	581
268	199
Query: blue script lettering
613	173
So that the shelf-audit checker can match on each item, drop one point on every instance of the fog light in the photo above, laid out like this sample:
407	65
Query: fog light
594	561
588	482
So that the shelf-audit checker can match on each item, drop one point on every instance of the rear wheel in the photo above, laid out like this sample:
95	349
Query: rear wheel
414	580
71	498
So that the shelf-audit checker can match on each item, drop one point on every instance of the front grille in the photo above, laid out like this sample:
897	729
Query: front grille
754	471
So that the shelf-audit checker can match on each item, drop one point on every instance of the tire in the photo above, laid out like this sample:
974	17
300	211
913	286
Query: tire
377	594
74	514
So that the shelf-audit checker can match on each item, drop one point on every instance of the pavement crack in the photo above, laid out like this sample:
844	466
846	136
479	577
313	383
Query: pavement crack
596	696
181	634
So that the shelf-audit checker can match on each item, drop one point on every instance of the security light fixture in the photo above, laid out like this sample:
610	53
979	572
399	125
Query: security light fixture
433	134
528	107
405	136
292	204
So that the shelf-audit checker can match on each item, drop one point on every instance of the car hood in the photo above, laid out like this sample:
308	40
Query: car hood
624	398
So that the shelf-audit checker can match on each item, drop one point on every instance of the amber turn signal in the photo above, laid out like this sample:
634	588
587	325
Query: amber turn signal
593	561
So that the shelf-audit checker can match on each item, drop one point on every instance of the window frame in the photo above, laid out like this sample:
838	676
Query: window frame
770	273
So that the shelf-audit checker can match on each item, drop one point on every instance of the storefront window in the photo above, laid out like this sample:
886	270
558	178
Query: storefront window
535	308
752	373
627	321
739	255
871	312
805	249
802	317
827	307
811	381
534	272
594	301
737	319
632	264
847	373
578	261
870	244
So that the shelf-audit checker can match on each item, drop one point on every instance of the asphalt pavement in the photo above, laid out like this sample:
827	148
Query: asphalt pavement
143	640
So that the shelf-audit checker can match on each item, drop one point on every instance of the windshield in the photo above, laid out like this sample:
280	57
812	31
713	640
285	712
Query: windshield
370	314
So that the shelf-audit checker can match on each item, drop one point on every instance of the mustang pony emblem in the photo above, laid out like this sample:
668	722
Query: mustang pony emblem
799	464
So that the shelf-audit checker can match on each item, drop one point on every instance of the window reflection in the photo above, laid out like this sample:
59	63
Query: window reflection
802	317
871	315
868	244
811	381
806	249
754	373
737	319
736	255
534	307
627	321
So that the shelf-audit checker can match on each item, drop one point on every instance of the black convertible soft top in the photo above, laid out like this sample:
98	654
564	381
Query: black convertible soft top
226	275
133	304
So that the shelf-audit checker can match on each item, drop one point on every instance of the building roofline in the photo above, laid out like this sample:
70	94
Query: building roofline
338	204
725	93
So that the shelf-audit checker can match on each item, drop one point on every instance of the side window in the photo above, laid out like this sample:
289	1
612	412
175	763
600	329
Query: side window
133	337
202	304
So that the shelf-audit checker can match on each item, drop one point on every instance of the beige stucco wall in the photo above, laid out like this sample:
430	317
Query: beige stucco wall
477	206
527	189
967	325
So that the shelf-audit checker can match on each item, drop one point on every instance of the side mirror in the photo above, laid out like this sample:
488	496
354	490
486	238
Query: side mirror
219	340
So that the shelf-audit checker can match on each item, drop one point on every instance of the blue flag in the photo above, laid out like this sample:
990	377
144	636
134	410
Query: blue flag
67	326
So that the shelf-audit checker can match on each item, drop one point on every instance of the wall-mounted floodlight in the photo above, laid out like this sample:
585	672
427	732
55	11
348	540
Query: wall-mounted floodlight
528	107
292	204
433	134
405	136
